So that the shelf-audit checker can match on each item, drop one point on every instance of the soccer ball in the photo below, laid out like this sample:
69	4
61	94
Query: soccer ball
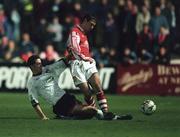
148	107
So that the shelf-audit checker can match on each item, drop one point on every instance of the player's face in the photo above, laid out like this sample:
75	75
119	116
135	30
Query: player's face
90	25
37	67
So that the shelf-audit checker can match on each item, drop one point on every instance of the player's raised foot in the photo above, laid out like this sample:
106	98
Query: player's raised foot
123	117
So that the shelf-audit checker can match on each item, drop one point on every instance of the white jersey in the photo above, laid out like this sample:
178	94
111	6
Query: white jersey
46	84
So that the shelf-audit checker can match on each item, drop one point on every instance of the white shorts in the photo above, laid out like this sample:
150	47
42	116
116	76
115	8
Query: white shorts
81	70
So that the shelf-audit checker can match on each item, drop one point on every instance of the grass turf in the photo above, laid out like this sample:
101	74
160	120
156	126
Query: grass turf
18	119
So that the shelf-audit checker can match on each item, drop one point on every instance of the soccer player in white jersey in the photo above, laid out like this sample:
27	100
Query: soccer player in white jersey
44	83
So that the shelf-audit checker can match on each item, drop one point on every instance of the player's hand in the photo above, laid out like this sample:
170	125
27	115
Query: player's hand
45	118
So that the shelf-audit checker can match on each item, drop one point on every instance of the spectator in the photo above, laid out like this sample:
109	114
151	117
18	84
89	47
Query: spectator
110	32
49	55
163	4
3	46
67	26
130	25
157	21
129	57
56	31
5	26
142	18
61	8
91	7
145	40
145	57
165	11
101	57
120	22
27	18
41	33
163	39
55	7
16	19
172	24
162	56
27	47
168	10
77	10
3	20
103	9
41	9
11	53
147	3
172	18
113	59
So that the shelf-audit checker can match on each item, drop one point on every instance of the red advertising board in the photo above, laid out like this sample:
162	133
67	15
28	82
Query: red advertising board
148	79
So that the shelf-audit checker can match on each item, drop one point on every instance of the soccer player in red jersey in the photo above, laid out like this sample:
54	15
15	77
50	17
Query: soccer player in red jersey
83	67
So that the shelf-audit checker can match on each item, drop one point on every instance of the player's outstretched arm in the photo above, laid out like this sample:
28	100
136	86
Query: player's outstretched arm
40	112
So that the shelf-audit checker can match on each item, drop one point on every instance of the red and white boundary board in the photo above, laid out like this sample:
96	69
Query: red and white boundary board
148	79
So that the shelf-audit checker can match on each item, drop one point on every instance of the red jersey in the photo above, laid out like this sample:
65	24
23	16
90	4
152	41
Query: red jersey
78	44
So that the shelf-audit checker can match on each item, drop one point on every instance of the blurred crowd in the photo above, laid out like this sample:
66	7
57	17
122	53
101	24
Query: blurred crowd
127	32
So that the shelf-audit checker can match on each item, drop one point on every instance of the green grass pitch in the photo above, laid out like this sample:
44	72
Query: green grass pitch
18	119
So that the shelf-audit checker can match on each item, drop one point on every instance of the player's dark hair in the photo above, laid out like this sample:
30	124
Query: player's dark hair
32	59
89	17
